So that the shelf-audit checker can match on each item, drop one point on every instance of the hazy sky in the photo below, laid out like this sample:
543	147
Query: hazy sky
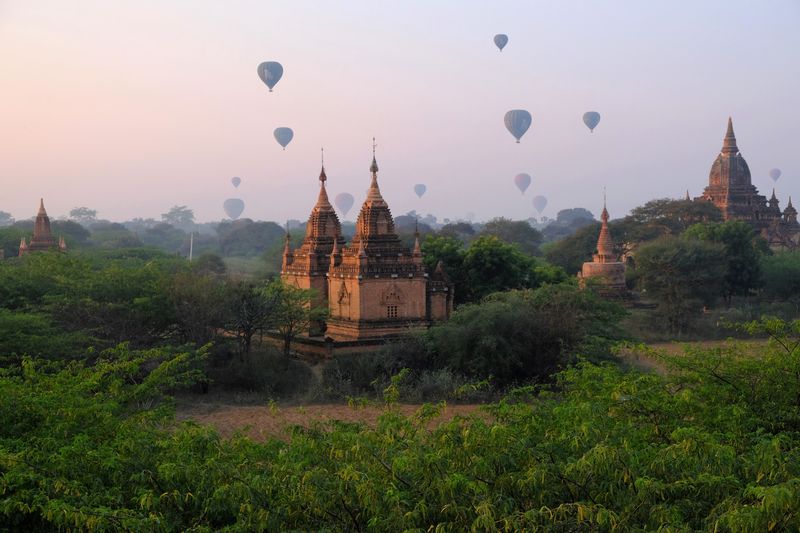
130	107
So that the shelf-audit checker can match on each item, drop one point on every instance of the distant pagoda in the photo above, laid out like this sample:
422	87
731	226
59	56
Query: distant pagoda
730	188
605	269
43	239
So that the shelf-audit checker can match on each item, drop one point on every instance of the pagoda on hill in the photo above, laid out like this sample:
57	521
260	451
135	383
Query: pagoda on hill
43	239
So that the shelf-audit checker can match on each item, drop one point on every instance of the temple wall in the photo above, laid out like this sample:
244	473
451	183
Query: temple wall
610	273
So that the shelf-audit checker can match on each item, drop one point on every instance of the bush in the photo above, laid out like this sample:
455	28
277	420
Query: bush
266	372
517	336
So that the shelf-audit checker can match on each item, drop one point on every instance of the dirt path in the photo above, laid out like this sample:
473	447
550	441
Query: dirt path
264	421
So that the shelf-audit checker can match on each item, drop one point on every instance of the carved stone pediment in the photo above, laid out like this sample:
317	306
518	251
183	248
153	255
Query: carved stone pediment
343	296
392	295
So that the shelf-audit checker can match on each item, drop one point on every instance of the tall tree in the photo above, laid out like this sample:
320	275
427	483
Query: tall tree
83	215
682	276
743	252
491	265
517	232
6	219
179	216
252	310
293	312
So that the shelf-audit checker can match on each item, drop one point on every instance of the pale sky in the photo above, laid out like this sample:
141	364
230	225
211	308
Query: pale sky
131	107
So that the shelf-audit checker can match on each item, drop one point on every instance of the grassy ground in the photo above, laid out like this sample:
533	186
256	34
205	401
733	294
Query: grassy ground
272	421
259	419
645	362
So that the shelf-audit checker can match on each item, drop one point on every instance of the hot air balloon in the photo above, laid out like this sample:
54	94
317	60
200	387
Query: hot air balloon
420	189
517	122
775	173
591	119
233	207
522	181
501	40
344	201
284	136
236	181
539	202
270	73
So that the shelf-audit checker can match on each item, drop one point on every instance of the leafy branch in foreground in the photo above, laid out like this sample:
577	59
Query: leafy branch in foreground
714	445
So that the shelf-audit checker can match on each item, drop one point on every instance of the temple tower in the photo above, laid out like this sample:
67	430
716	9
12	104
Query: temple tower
730	188
377	287
43	239
307	266
605	268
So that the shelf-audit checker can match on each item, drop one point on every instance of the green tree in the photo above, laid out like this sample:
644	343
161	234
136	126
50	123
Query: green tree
200	306
34	334
83	215
519	335
463	231
113	235
209	264
571	252
666	217
450	251
682	276
491	265
743	251
10	237
6	219
711	446
179	216
293	312
164	236
781	274
252	310
74	234
517	232
248	238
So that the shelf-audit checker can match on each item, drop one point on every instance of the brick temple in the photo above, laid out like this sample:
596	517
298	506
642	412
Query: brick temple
731	190
43	239
374	287
605	270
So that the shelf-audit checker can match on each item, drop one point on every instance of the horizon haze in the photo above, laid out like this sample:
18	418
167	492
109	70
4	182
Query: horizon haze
131	107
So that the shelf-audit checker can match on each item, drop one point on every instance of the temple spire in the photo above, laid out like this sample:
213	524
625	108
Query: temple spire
604	214
605	246
335	253
687	197
41	207
288	256
322	199
322	176
729	144
374	193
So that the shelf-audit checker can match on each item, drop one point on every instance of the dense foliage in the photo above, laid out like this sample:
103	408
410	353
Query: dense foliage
714	446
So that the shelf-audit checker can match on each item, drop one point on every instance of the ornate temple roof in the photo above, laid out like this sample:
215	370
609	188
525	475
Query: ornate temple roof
323	222
729	169
323	230
375	233
605	246
42	236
